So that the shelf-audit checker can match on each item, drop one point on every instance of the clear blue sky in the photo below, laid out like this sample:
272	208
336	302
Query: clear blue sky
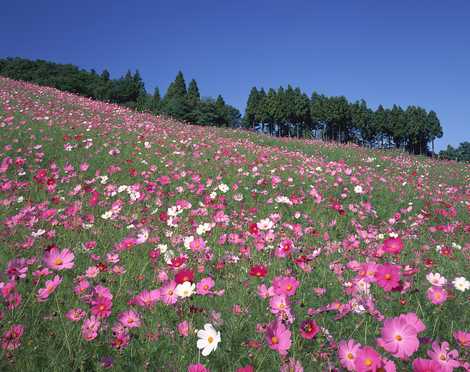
401	51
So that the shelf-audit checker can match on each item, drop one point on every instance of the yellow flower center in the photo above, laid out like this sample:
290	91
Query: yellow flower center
210	339
350	356
58	261
368	362
398	338
274	340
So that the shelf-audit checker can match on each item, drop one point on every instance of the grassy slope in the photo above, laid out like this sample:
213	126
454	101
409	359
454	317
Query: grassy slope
224	156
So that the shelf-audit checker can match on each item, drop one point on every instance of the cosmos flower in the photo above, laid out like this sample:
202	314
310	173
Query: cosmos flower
399	338
437	295
347	352
59	260
129	319
461	284
208	339
309	329
185	289
278	337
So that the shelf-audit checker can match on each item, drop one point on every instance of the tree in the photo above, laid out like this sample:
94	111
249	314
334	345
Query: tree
156	101
268	110
221	112
461	153
302	118
252	107
434	127
194	100
260	115
362	122
399	125
175	102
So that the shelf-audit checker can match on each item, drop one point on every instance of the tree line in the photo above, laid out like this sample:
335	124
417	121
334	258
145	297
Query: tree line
291	112
281	112
180	101
461	153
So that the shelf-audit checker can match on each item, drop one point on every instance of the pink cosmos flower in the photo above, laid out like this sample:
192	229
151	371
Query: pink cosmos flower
90	328
247	368
425	365
265	292
414	321
167	293
445	358
183	328
101	307
197	368
278	337
204	286
398	338
129	319
292	366
388	276
11	338
309	329
59	260
347	351
463	338
437	295
285	285
197	244
393	245
75	314
367	271
279	304
367	359
51	285
147	299
284	249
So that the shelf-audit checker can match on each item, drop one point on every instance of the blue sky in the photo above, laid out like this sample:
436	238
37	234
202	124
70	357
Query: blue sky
402	51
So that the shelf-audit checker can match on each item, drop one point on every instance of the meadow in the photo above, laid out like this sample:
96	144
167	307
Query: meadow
134	242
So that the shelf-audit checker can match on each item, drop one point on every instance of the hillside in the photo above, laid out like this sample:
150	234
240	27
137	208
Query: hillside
123	233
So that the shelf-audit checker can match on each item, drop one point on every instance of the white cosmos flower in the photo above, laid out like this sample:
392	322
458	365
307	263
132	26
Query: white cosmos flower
209	338
461	284
185	290
358	189
223	187
265	224
107	215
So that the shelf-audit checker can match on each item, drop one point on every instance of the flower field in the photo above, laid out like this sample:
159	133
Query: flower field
134	242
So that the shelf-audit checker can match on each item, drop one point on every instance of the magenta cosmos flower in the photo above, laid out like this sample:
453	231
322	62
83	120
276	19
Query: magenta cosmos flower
59	260
463	338
197	368
129	319
399	338
309	329
388	276
285	285
347	351
11	338
425	365
204	286
437	295
393	245
51	285
442	355
367	359
278	337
